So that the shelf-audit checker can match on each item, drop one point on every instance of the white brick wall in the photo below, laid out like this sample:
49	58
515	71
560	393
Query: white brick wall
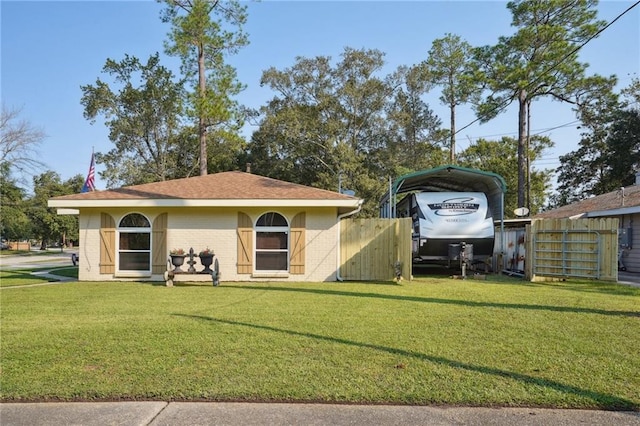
215	228
89	250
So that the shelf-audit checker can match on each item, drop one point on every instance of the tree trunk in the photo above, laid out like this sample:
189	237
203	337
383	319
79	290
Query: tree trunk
522	139
202	127
452	145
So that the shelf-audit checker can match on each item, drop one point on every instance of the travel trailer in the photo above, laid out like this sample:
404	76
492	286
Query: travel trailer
445	222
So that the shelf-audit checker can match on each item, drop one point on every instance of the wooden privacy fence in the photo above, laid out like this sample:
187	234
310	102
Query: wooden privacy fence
582	248
370	249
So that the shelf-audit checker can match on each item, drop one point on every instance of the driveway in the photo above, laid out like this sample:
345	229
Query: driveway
629	278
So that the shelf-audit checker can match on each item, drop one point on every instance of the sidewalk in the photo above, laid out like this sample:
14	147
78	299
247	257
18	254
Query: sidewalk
48	260
248	414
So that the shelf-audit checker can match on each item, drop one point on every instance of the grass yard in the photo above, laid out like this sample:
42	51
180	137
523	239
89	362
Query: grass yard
18	277
501	342
21	277
70	271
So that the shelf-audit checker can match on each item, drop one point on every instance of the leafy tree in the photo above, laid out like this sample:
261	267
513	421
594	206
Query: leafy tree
631	94
19	141
412	127
450	66
48	226
622	155
143	113
296	132
500	157
14	223
539	60
598	168
583	172
326	124
202	33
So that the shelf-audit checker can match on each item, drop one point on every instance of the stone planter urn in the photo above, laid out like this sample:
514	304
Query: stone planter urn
206	259
177	260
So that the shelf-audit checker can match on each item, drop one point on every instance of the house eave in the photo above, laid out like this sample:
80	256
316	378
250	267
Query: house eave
173	202
72	212
614	212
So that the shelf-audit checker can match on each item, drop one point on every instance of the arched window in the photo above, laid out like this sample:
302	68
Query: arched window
134	243
272	243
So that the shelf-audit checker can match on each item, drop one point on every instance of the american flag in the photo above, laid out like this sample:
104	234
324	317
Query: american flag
90	184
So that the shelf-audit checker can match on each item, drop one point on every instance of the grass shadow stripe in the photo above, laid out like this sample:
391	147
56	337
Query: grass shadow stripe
466	303
601	400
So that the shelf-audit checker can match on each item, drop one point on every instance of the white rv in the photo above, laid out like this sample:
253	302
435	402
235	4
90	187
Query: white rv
442	219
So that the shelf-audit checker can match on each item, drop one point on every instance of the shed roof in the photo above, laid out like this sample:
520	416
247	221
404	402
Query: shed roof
227	189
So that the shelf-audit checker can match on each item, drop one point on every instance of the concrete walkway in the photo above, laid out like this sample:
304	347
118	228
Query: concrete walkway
248	414
36	261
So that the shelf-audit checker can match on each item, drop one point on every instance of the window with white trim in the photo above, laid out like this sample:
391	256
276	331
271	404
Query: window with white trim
272	243
134	243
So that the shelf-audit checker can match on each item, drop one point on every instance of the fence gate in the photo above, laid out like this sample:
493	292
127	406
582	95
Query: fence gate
371	248
582	248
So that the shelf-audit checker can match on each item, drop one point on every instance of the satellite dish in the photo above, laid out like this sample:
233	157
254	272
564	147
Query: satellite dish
521	211
349	192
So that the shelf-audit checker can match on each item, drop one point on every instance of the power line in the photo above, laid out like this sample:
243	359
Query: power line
537	131
554	66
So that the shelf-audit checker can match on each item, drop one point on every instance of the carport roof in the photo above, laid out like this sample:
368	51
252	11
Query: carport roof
451	178
455	179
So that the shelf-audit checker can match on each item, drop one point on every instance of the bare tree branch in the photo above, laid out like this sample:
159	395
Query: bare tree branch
19	141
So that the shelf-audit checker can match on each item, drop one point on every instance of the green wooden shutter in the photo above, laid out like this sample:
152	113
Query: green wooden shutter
298	243
159	244
245	244
107	244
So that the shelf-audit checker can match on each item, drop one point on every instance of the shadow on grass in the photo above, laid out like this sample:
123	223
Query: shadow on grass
22	278
468	303
603	401
610	288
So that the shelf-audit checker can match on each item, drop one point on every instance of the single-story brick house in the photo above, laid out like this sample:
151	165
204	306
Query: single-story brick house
623	204
259	228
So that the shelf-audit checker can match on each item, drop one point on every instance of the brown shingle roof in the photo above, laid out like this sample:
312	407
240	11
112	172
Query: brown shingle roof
609	201
219	186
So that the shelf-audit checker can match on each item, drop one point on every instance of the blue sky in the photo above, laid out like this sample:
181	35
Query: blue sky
50	48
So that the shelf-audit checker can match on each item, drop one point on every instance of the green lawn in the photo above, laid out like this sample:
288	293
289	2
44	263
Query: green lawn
70	271
21	277
430	341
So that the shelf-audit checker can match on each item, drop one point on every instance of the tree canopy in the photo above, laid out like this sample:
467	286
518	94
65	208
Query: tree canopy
203	33
14	223
500	157
344	124
47	225
608	154
539	60
349	123
450	66
144	112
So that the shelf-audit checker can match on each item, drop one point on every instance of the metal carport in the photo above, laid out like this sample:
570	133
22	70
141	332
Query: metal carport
449	178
